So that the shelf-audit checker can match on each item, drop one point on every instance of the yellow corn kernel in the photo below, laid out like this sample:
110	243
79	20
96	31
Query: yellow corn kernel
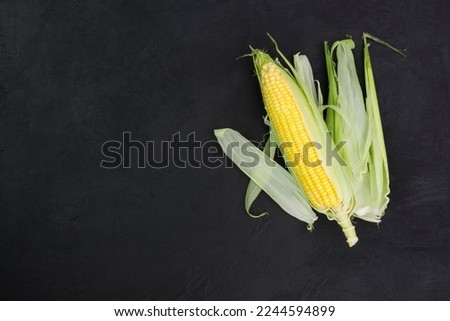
288	123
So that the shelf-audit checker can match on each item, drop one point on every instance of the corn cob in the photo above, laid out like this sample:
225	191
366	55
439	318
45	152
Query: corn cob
282	99
288	123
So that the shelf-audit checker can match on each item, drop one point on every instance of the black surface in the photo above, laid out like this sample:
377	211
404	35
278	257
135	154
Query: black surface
75	74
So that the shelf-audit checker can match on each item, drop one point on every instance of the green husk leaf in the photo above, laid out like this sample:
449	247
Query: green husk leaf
378	163
358	122
304	70
352	123
276	181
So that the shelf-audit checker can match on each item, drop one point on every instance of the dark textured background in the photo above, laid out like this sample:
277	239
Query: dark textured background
74	74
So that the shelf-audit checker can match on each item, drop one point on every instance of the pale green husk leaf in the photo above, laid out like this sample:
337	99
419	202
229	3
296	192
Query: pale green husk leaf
358	122
272	178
